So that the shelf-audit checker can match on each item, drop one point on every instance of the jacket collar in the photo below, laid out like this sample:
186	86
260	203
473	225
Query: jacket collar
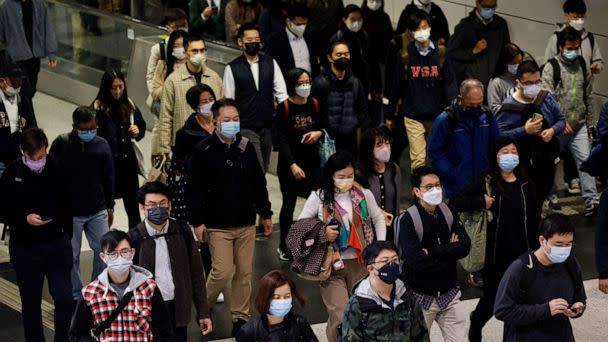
138	275
364	290
184	74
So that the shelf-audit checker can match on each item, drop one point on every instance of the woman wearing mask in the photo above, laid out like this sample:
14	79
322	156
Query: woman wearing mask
353	220
513	228
502	83
239	12
437	19
119	120
274	302
344	119
299	164
174	55
381	176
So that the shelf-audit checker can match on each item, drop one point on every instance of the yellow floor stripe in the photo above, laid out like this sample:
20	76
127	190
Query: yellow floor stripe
9	296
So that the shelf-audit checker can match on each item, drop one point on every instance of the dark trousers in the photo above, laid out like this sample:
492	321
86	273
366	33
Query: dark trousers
129	200
570	170
180	334
33	262
542	174
485	307
31	68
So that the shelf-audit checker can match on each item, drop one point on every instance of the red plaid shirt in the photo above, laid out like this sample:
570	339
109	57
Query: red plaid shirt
134	323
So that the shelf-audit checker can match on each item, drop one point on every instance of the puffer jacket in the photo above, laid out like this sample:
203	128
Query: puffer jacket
368	318
293	328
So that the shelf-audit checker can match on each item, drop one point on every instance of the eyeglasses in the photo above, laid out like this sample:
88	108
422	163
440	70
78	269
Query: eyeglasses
152	205
88	132
385	261
430	187
125	253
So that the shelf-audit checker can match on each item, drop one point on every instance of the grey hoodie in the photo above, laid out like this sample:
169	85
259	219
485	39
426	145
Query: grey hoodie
137	277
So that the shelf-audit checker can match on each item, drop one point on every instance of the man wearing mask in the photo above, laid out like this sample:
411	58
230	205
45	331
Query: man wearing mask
477	41
424	86
174	110
431	240
16	111
540	292
256	82
226	186
437	20
461	137
129	290
88	169
381	306
33	204
532	117
166	247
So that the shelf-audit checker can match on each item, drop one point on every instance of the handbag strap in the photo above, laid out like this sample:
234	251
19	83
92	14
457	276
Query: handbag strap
106	324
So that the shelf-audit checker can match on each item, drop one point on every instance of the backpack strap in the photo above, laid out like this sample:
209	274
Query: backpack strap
316	102
106	324
286	107
591	41
415	215
447	214
163	50
583	64
556	71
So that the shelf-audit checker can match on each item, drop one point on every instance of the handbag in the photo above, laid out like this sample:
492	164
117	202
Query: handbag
158	170
327	147
139	153
325	270
476	225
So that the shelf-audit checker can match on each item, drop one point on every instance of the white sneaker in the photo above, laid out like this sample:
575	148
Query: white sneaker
220	298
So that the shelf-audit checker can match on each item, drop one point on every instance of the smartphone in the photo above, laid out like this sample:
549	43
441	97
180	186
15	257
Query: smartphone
214	9
537	116
334	222
48	218
303	139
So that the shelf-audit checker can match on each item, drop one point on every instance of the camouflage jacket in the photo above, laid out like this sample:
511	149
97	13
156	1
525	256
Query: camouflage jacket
368	318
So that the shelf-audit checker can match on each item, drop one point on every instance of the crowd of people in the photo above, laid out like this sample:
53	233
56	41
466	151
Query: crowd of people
340	95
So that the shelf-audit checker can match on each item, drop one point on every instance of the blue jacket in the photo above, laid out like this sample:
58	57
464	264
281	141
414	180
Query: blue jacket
12	34
459	146
511	123
602	124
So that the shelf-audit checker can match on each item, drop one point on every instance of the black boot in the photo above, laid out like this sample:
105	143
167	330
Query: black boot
236	326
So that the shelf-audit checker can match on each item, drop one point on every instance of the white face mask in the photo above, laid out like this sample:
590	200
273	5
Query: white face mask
198	59
297	30
382	154
422	36
355	26
205	109
577	24
344	184
303	90
433	196
179	53
374	5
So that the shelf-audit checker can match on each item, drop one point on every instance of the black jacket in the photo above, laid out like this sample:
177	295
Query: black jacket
226	184
293	328
186	139
466	34
25	192
439	22
116	132
277	46
88	169
436	271
9	143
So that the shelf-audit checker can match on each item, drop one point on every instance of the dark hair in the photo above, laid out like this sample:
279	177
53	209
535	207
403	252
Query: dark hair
276	8
507	54
556	224
247	27
175	35
221	103
335	43
193	38
194	93
174	14
152	188
270	282
83	114
298	10
366	150
120	109
338	161
494	170
575	6
420	172
414	19
350	9
525	67
365	8
568	34
32	139
111	239
292	77
371	252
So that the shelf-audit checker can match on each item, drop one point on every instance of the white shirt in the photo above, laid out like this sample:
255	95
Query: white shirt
314	208
280	89
300	52
12	110
162	263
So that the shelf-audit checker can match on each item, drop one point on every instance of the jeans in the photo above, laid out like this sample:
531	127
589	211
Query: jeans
262	143
578	144
94	227
33	262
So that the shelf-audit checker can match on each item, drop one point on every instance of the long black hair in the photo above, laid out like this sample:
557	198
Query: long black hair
507	53
175	35
120	109
366	151
494	171
338	161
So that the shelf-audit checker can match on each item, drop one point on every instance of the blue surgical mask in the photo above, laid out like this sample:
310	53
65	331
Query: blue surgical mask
557	255
570	55
487	13
229	129
280	307
512	68
87	136
508	162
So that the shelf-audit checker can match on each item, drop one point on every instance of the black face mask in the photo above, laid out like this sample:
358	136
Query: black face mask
342	63
252	49
158	215
471	112
389	273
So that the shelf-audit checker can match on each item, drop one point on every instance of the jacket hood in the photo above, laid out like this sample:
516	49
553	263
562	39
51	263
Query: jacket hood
137	277
364	289
561	26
